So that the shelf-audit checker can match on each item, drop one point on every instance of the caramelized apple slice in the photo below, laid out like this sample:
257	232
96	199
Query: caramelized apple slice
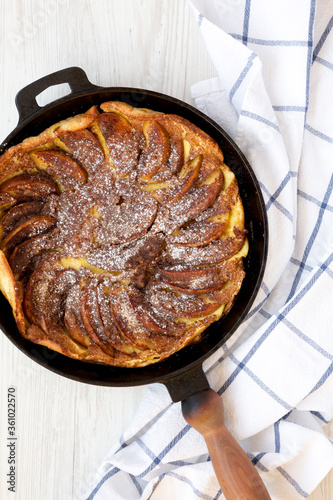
145	313
176	155
72	317
127	257
207	192
200	233
171	191
211	162
61	167
119	140
171	217
228	292
85	148
128	324
19	214
25	187
195	281
180	304
6	202
213	253
186	179
91	317
54	300
45	288
196	202
74	215
111	332
173	164
51	205
155	154
37	287
25	256
225	201
32	227
126	221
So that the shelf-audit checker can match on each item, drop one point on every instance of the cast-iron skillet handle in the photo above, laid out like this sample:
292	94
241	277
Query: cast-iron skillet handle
26	98
203	410
238	478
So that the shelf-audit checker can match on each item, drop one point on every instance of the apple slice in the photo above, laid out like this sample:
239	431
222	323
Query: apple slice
173	164
127	257
228	292
155	154
195	280
187	178
172	190
145	313
67	172
19	214
197	201
213	253
211	162
91	317
155	321
28	229
176	155
50	206
180	304
25	256
200	233
85	148
26	187
111	332
171	217
119	140
37	288
130	326
6	202
126	221
72	317
225	201
54	300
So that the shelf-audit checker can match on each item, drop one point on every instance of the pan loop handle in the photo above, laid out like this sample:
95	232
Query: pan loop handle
75	77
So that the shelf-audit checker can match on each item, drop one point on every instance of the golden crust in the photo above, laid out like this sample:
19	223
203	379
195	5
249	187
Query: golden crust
141	239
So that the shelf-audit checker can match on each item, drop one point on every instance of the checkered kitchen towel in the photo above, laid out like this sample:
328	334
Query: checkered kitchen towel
273	94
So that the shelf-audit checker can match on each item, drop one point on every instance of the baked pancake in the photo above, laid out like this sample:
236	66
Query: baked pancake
122	235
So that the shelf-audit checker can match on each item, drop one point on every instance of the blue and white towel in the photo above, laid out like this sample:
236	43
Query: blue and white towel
273	94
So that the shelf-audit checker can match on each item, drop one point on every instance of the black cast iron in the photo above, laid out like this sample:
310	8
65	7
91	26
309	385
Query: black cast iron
182	372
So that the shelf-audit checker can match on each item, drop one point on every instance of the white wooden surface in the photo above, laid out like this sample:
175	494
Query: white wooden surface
65	428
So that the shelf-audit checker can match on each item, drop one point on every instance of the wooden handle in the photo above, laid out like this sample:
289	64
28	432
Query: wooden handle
238	478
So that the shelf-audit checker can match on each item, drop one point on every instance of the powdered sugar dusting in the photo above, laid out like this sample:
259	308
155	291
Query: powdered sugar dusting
130	252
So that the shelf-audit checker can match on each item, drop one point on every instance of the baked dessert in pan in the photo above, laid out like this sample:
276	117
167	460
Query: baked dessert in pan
122	235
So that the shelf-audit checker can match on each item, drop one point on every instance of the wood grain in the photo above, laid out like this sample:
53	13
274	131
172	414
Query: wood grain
65	428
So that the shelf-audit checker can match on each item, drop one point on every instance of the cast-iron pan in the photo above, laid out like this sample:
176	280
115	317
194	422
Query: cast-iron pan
182	372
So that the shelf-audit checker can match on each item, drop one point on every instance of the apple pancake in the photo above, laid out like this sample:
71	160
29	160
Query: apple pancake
122	235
